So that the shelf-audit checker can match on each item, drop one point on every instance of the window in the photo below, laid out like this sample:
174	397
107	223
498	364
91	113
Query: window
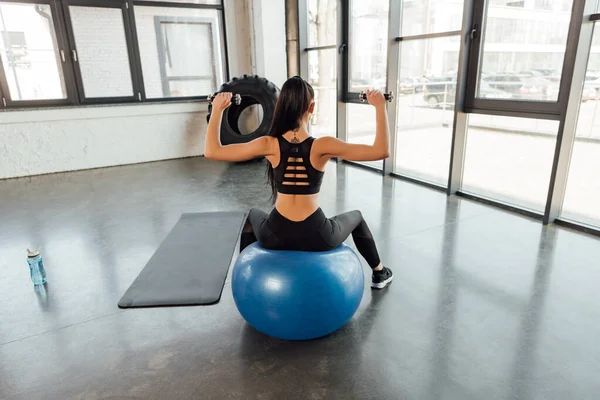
170	42
30	52
104	66
514	77
322	22
322	75
203	2
361	128
433	16
582	196
510	159
544	4
425	104
367	61
319	62
59	52
529	45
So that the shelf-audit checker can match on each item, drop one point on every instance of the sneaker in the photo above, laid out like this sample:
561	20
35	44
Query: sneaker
381	278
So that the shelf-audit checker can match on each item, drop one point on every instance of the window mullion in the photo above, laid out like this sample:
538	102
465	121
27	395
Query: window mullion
77	52
136	61
7	100
132	49
66	51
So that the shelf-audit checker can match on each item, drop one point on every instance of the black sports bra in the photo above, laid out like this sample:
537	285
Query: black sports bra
295	161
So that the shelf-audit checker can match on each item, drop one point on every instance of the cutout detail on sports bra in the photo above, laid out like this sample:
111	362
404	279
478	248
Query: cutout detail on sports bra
292	173
292	178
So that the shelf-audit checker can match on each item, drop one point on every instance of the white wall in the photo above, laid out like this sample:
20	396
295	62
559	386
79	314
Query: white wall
239	37
41	142
268	18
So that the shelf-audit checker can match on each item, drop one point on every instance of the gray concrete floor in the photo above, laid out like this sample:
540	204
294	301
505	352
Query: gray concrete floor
485	305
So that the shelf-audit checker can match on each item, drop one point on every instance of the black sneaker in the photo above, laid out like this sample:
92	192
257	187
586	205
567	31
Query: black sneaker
381	278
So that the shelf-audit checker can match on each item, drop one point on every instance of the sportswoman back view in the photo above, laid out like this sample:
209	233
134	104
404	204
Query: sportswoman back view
295	170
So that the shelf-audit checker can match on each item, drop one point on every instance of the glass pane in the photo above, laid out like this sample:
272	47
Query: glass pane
582	197
102	51
368	44
322	68
510	159
361	127
322	22
30	53
433	16
209	2
523	49
180	51
425	101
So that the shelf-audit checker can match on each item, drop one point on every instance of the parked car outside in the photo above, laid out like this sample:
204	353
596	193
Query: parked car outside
522	87
488	92
410	85
440	91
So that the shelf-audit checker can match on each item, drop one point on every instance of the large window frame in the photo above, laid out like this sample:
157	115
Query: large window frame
67	70
349	96
165	78
66	42
565	110
305	50
123	6
527	108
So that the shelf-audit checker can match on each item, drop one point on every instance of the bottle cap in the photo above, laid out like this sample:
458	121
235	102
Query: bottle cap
33	253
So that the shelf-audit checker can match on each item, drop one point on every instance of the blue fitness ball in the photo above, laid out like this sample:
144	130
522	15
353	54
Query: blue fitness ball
297	295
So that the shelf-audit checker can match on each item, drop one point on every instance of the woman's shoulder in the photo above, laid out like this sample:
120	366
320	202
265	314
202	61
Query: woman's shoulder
325	142
268	139
269	144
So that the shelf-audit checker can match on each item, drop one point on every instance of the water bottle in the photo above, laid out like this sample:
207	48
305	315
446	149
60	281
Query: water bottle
36	267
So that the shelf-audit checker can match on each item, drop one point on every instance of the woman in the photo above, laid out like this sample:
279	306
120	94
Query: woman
295	171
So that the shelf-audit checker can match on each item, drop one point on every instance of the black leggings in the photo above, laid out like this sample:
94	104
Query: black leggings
316	233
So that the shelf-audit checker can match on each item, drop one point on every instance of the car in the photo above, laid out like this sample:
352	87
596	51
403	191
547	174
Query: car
544	71
485	91
531	73
440	91
410	85
520	86
364	84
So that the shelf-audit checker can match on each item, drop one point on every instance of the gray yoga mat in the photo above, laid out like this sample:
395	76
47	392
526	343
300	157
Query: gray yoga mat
190	265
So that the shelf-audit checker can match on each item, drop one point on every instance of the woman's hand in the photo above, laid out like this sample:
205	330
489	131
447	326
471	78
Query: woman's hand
376	98
221	101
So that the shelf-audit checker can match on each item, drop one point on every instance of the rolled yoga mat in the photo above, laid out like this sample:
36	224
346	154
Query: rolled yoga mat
190	265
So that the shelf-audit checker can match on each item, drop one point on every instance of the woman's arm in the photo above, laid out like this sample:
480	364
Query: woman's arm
331	147
213	148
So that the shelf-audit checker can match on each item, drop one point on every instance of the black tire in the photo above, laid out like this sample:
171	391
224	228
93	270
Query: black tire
254	90
433	101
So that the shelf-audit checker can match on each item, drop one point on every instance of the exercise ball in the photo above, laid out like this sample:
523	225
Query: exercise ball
297	295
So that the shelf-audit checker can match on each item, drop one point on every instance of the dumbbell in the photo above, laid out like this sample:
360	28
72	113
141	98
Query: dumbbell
236	98
388	96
